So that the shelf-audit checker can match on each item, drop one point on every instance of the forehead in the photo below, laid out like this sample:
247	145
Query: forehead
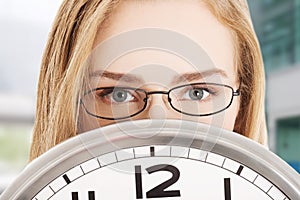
190	18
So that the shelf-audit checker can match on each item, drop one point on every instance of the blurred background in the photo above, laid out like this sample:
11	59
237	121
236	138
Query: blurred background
24	29
277	25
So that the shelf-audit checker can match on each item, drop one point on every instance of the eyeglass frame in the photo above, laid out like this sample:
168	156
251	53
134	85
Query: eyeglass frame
234	93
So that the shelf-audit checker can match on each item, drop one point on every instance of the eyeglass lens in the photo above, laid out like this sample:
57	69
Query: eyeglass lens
195	99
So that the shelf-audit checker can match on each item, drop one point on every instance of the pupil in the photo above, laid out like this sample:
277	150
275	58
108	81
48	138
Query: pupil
120	96
196	94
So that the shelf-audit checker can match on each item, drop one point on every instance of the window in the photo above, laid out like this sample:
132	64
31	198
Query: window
288	140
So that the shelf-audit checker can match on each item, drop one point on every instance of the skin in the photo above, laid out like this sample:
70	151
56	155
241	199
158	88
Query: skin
157	70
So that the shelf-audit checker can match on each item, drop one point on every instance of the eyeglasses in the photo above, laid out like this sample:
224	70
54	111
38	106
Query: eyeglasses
196	99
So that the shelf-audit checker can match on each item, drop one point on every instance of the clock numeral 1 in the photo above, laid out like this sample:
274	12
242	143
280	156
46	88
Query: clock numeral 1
91	195
227	189
159	190
138	182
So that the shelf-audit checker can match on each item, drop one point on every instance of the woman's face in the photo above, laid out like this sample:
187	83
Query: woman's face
157	70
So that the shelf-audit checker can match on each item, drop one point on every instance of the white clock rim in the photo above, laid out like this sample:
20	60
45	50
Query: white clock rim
249	153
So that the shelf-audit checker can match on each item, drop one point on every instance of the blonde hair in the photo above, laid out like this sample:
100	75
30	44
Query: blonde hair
71	41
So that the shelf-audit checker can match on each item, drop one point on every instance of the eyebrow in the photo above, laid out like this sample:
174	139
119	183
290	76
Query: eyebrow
177	79
198	75
115	76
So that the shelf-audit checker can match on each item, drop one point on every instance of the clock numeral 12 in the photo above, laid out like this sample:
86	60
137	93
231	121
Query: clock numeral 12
159	190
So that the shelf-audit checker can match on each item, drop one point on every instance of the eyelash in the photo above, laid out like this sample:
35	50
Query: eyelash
103	92
209	90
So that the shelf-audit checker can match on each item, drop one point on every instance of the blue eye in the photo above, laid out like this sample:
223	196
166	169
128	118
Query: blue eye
120	95
196	94
116	95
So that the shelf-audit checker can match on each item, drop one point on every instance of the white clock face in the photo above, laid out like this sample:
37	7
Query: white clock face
167	166
155	172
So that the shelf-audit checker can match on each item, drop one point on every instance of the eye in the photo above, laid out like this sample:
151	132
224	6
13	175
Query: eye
196	94
120	95
116	95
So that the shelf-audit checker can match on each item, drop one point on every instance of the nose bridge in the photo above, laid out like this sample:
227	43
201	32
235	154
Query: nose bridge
158	106
158	97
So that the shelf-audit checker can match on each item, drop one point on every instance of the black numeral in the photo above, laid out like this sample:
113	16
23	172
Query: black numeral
91	195
227	189
158	191
138	182
74	195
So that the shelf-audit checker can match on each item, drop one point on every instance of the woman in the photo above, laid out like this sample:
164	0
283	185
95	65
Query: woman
222	28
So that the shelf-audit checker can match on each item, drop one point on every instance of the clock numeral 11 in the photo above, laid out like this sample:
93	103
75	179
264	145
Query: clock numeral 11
91	195
158	191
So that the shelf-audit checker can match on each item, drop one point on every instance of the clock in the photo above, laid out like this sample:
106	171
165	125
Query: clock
157	159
